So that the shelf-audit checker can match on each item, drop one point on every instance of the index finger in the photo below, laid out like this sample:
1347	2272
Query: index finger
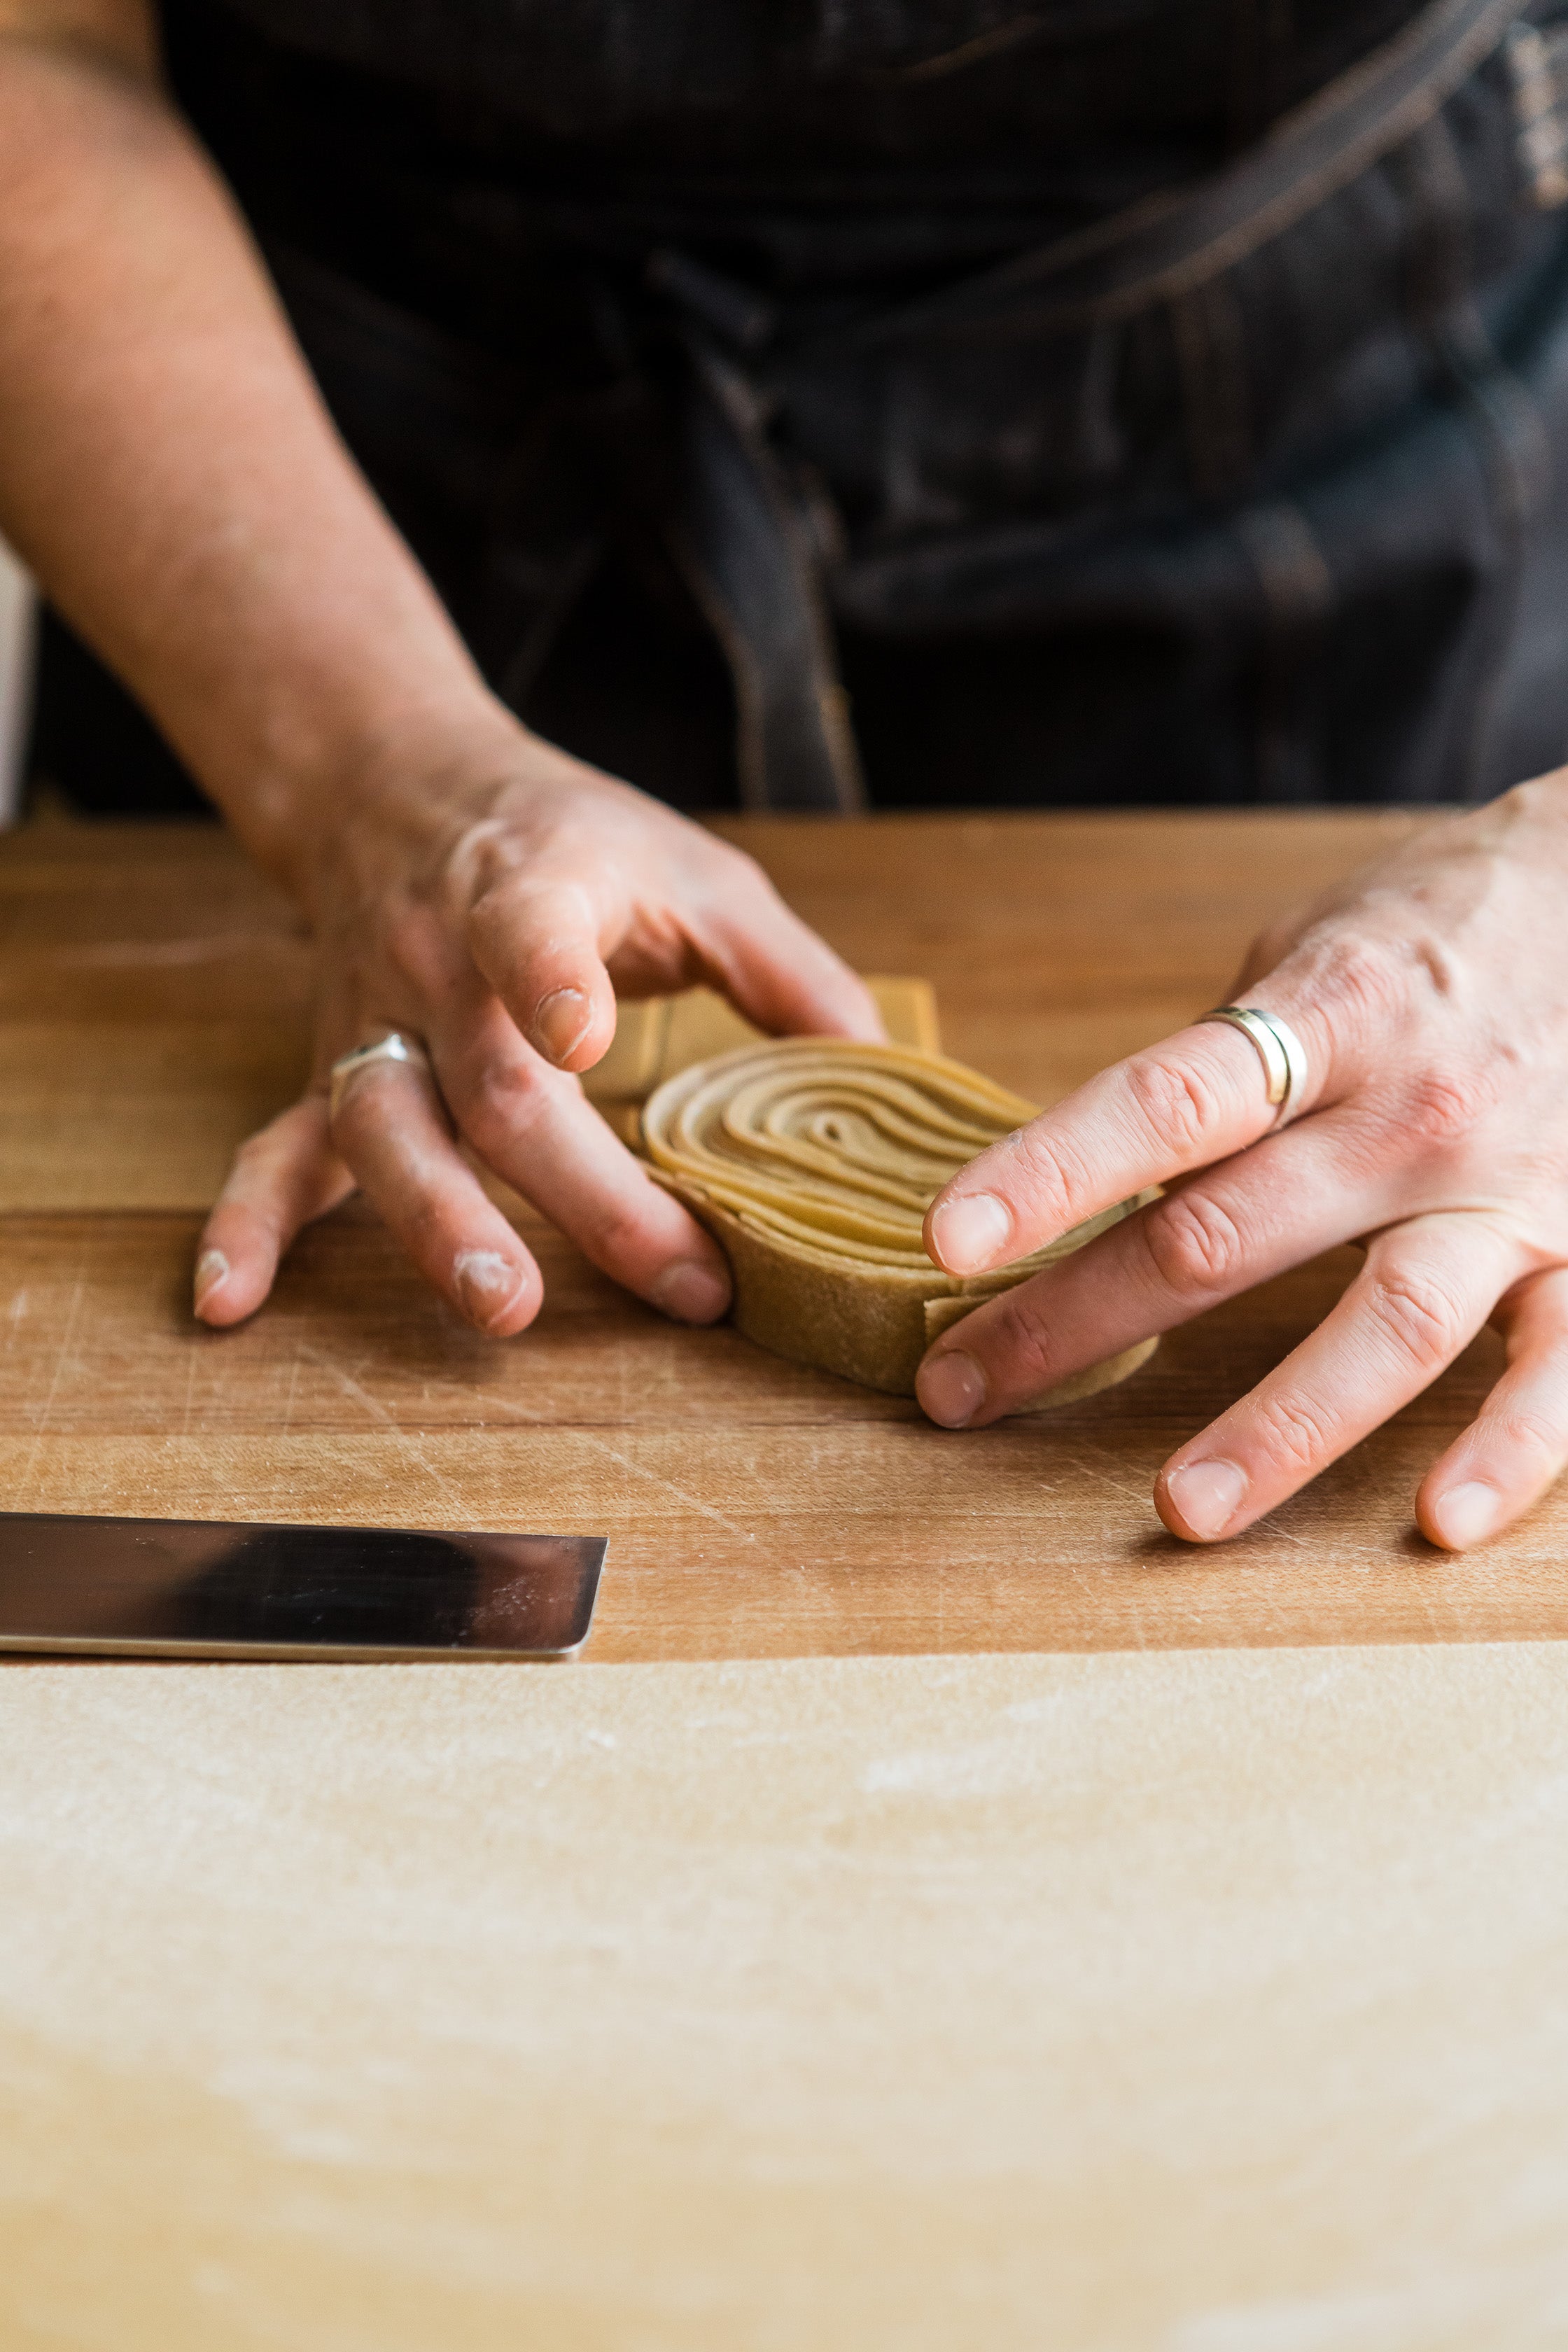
1181	1105
532	1126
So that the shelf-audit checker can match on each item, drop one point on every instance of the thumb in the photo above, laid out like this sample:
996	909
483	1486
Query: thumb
536	941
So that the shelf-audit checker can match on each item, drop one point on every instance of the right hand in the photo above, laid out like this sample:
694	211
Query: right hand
494	913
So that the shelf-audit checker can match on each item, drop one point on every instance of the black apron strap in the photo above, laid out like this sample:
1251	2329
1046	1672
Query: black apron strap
745	545
1182	238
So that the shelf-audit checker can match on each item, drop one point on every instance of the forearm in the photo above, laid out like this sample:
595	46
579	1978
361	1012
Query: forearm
169	472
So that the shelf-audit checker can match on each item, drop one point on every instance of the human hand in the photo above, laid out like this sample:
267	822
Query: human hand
492	912
1430	992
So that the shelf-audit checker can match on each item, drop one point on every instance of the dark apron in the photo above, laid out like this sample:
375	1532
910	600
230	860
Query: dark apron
1136	404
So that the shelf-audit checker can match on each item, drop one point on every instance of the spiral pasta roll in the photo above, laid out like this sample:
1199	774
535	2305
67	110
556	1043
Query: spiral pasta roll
812	1162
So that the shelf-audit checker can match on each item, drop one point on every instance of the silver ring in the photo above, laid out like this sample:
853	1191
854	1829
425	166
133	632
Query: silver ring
1278	1049
392	1048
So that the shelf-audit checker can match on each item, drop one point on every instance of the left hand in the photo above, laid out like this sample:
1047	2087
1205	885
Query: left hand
1430	992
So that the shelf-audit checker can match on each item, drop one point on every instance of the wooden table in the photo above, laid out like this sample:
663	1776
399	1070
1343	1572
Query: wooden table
736	2001
153	1005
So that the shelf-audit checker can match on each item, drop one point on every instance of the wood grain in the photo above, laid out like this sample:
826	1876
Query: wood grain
755	1509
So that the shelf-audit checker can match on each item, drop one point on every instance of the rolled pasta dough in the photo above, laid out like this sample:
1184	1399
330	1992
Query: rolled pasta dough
812	1162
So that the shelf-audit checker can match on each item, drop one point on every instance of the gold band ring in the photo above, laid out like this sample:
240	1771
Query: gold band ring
1280	1050
392	1048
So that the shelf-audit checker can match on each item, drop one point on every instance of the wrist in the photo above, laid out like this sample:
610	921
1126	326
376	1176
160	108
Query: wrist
385	784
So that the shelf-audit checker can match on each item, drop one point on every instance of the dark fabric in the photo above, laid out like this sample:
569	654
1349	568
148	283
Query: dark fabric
90	738
1297	533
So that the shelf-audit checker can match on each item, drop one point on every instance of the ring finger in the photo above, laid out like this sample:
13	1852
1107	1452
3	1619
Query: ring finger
390	1127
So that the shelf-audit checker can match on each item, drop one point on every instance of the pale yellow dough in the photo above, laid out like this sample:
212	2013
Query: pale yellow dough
658	1036
812	1162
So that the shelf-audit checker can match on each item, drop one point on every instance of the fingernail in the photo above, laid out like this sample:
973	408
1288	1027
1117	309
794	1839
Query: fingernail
487	1283
970	1233
1466	1514
1207	1494
561	1023
212	1267
951	1388
690	1291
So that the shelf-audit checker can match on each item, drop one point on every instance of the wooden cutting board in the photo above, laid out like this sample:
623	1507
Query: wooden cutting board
153	1008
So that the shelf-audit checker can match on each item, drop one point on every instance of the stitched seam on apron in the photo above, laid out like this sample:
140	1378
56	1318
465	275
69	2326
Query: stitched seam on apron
1210	339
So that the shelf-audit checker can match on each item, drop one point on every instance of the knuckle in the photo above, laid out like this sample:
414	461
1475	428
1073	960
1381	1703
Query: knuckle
1532	1431
480	854
612	1235
1357	987
1194	1245
1298	1432
1362	980
1420	1311
360	1112
500	1100
1014	1340
1442	1109
1047	1174
522	915
500	928
1179	1103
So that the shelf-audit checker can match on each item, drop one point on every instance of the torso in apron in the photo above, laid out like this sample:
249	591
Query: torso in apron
1293	528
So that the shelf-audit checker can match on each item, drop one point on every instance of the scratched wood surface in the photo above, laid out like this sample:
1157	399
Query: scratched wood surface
153	1008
